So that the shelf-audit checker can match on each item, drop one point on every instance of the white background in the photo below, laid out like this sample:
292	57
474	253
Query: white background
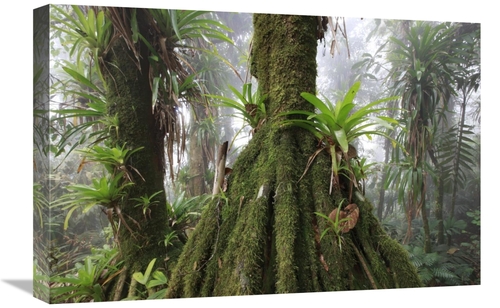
16	151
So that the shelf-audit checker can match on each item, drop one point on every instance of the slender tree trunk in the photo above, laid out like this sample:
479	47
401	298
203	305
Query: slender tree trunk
427	231
198	156
381	197
262	235
439	201
439	212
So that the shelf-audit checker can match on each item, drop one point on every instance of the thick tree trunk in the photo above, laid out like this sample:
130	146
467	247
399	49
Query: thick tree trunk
130	98
262	236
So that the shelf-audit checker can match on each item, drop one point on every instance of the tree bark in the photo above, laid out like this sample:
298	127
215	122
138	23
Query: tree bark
198	156
130	98
262	236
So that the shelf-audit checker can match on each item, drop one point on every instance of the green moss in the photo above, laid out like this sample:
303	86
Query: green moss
129	98
403	273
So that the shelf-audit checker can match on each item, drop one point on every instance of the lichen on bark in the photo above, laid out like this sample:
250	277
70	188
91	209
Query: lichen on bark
263	236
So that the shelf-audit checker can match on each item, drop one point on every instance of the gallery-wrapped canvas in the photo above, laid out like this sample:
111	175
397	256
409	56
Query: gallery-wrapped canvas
184	153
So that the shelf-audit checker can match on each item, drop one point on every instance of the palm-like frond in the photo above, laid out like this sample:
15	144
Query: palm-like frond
456	156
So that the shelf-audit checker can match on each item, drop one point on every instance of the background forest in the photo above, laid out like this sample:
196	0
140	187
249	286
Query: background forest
425	193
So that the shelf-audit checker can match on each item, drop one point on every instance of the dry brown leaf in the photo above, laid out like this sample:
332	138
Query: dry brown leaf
333	215
353	213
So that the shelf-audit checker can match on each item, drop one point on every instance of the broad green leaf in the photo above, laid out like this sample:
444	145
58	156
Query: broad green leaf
158	279
80	78
316	102
144	278
341	138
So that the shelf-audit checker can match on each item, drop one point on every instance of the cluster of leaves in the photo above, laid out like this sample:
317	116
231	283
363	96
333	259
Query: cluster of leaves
41	288
87	32
183	212
87	281
112	158
250	106
447	265
456	156
40	203
340	221
106	191
86	121
155	283
338	125
433	268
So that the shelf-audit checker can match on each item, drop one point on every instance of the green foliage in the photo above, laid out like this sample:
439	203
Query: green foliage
455	264
476	217
250	106
88	279
452	226
422	73
86	120
340	124
181	25
456	156
405	176
106	192
41	288
86	32
335	225
144	278
168	241
427	67
146	201
112	158
432	267
152	280
40	203
361	170
206	130
176	29
182	210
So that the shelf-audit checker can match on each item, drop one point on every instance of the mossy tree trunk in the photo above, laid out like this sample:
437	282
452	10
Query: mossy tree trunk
262	236
129	97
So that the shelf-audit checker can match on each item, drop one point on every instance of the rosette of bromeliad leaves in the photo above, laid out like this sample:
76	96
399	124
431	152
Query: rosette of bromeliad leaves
107	191
250	106
338	125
